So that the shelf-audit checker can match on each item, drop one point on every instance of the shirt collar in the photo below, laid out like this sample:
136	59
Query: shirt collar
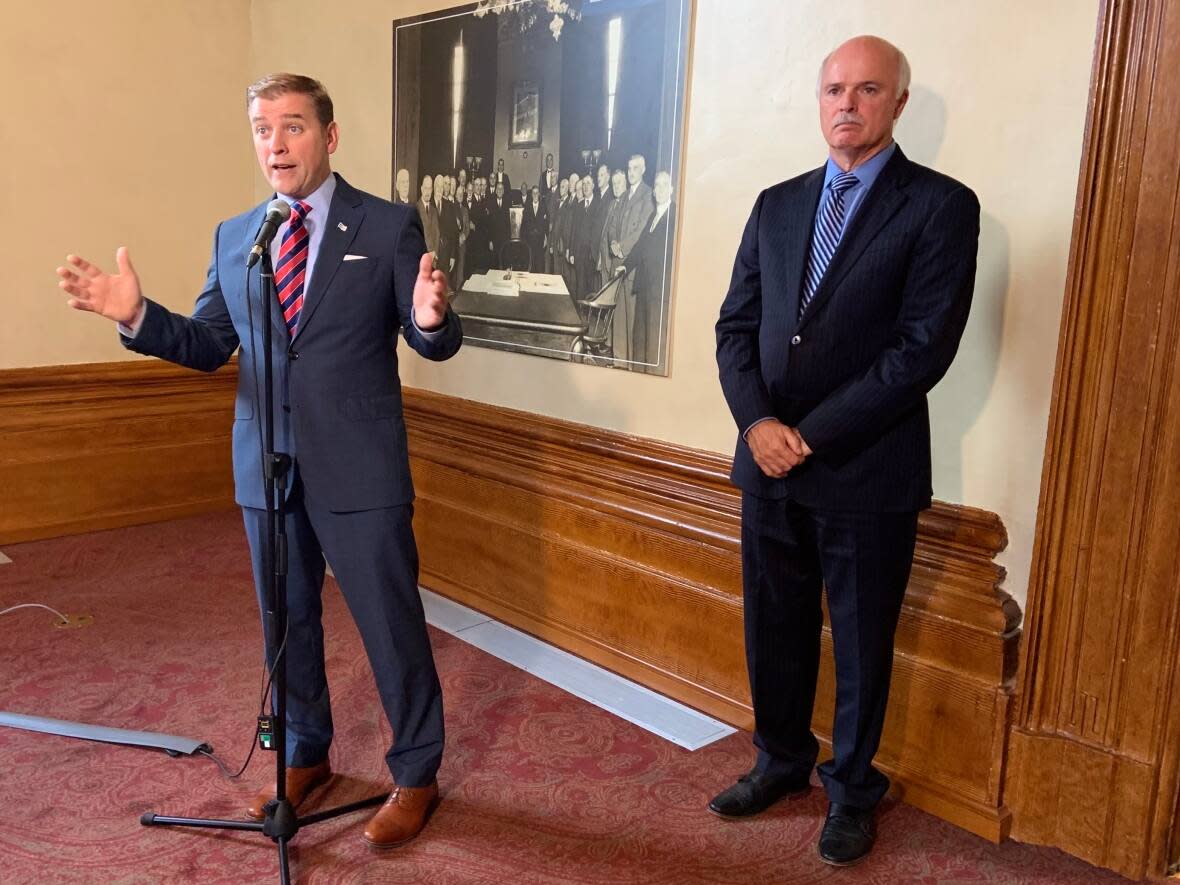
320	200
867	172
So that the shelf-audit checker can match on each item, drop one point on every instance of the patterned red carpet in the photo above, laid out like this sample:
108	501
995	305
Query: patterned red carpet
539	787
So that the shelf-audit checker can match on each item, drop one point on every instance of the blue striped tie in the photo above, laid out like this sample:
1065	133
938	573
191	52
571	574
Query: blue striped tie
829	227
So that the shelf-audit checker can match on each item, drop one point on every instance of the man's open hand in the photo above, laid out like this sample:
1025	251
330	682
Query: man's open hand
114	296
430	295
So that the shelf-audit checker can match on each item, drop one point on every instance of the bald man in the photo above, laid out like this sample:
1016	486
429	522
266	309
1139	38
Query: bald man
401	189
849	295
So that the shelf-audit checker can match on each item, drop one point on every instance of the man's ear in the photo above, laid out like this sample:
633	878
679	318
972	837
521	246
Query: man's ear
905	96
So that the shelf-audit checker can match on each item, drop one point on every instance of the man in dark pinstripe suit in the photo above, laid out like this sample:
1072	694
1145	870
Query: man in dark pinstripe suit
849	295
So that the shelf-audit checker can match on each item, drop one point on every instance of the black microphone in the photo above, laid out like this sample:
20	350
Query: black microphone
276	213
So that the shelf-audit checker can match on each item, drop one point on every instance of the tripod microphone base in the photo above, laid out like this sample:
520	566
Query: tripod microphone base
151	819
280	824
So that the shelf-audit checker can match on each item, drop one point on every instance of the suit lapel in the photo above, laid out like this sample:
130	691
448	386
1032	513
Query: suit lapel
879	206
253	223
794	237
344	219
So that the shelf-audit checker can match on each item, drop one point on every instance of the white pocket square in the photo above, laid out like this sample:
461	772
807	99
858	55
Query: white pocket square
356	257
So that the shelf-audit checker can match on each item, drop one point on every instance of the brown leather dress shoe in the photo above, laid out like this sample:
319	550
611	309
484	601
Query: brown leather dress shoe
300	782
402	817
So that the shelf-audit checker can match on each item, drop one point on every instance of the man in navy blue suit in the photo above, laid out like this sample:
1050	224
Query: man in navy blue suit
350	270
849	295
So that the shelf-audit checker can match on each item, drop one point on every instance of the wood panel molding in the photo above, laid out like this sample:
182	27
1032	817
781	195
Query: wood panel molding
625	551
1096	741
619	549
101	445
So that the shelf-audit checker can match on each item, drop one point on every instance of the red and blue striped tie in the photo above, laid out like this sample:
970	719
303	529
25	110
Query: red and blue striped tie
291	270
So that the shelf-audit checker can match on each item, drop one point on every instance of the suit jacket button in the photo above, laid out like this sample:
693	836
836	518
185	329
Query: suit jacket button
796	340
293	354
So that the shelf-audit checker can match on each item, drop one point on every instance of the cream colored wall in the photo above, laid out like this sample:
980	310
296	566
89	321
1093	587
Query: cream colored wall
123	124
128	113
998	101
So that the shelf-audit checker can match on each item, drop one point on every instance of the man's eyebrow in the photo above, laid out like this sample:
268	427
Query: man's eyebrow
831	83
260	119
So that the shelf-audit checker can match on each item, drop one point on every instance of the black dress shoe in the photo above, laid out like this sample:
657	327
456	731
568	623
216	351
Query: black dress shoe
755	792
848	835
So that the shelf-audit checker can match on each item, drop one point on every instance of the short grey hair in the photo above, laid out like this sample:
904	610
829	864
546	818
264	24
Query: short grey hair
903	73
903	69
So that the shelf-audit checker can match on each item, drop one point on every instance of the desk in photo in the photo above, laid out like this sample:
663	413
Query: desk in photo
516	309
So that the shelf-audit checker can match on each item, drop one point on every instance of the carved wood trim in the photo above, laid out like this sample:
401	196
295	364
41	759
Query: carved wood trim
1097	737
625	551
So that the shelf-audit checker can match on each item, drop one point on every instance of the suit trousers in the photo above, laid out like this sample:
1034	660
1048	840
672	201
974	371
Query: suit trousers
375	561
789	554
645	330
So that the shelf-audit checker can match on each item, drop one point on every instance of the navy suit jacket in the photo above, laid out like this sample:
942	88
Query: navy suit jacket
882	328
336	385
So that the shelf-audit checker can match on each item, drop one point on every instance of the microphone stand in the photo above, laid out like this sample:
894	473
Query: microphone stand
281	822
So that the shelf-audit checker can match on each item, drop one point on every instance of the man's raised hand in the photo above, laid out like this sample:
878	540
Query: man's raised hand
430	295
114	296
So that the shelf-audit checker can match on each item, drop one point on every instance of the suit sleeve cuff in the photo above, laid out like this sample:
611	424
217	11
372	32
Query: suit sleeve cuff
130	330
746	432
430	334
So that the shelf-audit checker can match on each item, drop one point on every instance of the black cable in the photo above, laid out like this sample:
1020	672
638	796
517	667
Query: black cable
254	374
265	699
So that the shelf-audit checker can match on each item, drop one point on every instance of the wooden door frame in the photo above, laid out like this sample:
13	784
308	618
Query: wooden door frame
1094	751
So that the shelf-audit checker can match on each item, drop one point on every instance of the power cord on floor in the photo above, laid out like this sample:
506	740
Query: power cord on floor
62	618
262	705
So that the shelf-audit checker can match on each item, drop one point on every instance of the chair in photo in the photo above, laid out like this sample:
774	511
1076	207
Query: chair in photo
516	255
598	311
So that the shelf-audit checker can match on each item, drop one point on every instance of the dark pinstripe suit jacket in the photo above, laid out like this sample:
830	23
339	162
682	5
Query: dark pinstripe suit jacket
880	332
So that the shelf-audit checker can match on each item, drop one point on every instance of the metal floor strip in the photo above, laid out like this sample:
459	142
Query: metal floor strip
641	706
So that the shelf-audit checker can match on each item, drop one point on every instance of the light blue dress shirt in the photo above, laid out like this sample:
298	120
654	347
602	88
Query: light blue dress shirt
866	175
320	201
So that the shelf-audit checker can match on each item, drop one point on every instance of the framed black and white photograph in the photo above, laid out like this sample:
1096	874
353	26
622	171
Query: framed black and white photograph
525	131
541	142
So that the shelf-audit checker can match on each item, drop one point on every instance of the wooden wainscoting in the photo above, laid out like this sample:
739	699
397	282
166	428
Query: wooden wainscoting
625	551
619	549
102	445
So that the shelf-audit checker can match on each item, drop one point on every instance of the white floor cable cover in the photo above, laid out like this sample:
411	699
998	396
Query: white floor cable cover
670	720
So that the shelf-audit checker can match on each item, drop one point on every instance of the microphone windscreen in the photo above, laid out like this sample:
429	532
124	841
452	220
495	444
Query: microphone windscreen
281	208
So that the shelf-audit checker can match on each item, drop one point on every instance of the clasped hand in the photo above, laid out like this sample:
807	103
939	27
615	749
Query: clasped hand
777	448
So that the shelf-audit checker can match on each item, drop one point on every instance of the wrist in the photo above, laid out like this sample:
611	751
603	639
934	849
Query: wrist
132	319
429	321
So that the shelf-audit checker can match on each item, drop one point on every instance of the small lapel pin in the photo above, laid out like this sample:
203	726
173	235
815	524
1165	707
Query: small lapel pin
342	225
